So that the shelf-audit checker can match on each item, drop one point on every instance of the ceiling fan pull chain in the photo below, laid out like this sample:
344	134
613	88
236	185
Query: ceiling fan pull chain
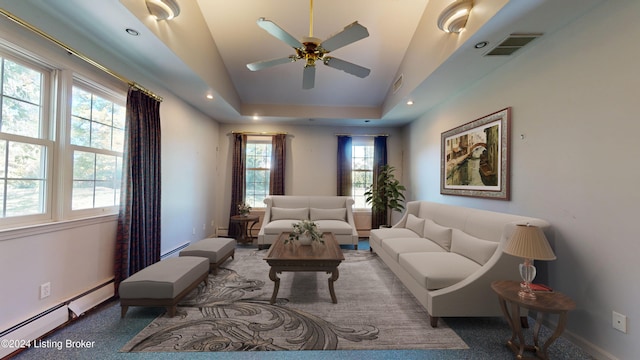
310	18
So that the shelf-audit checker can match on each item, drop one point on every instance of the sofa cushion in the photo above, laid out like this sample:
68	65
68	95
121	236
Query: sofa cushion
328	214
415	224
337	227
397	246
437	270
475	249
279	226
279	213
437	233
377	235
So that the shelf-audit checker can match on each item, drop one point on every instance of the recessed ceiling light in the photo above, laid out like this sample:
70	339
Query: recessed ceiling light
163	9
481	44
132	32
209	96
367	121
410	102
256	117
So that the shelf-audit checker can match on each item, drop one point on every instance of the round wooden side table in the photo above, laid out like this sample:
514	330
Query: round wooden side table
546	303
244	237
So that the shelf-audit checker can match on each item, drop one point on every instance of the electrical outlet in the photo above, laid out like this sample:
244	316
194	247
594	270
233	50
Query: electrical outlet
45	290
619	322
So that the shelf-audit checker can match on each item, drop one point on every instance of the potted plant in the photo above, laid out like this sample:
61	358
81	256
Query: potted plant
386	193
305	231
244	209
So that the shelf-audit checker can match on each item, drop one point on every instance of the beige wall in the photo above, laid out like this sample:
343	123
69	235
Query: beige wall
574	96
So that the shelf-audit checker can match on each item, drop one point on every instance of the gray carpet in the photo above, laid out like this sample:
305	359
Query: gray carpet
374	311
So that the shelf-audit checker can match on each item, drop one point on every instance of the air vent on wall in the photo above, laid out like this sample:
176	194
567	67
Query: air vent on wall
512	44
397	84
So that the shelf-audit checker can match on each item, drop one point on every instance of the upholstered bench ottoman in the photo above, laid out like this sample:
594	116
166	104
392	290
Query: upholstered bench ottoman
164	283
217	250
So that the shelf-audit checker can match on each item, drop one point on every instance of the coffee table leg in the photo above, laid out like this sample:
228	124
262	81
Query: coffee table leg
332	279
276	285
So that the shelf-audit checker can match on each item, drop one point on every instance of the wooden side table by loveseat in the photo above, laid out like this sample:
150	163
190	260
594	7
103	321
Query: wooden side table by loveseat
245	237
546	303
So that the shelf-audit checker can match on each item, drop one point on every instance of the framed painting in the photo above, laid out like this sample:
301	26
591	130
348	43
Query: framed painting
475	158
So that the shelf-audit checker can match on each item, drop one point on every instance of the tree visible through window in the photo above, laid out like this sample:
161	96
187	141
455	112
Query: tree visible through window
23	145
258	170
97	139
361	174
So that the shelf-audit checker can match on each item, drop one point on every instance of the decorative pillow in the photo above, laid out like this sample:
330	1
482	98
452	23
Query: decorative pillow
279	213
328	214
471	247
438	234
415	224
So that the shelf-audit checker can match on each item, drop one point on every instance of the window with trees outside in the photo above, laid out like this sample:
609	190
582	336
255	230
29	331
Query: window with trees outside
257	170
97	142
362	172
25	147
61	141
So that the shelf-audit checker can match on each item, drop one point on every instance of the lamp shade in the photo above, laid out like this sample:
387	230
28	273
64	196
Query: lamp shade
529	242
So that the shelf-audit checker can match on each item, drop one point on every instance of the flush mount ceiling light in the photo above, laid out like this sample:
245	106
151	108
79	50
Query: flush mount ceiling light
454	17
163	9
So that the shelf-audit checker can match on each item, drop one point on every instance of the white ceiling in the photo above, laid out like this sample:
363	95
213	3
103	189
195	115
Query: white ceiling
205	50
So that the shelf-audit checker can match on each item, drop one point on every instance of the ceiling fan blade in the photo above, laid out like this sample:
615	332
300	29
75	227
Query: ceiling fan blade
277	32
309	77
350	34
351	68
259	65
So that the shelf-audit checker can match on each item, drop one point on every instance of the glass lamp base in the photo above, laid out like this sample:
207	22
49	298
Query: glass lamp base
527	294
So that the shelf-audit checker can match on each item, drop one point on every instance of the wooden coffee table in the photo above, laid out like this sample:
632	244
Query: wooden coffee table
295	257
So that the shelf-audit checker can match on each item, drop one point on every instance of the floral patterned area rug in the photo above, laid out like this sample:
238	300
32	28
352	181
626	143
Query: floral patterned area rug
232	313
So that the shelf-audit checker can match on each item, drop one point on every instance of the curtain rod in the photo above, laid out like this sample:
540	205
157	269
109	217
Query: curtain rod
258	133
81	56
369	135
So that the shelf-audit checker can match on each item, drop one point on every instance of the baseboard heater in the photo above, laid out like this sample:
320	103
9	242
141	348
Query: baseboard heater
173	252
34	327
40	325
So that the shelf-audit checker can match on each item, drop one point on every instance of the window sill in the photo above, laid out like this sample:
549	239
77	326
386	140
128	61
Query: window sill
32	230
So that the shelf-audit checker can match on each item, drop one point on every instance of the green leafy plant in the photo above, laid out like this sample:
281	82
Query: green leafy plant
386	192
244	209
305	227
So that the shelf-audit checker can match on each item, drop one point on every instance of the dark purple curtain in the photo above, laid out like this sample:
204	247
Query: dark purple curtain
379	217
278	159
237	178
345	152
138	234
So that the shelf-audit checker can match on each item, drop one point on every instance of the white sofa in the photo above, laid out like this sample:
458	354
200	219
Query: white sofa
447	256
331	214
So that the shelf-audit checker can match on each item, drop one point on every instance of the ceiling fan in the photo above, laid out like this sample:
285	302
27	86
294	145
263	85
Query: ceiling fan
312	49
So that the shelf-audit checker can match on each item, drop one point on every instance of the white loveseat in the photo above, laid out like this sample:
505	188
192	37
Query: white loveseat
447	256
331	213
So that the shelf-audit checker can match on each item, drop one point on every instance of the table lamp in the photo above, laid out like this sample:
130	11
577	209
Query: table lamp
529	242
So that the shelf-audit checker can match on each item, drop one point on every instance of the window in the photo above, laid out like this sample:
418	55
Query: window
258	170
24	143
62	164
97	143
362	172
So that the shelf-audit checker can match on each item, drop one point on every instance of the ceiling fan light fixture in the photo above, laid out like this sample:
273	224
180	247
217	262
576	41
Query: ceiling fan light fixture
163	9
454	17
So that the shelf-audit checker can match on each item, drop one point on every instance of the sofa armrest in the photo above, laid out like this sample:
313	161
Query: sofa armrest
452	300
412	207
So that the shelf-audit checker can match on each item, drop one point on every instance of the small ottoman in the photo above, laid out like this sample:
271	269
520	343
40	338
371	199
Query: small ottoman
164	283
217	250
